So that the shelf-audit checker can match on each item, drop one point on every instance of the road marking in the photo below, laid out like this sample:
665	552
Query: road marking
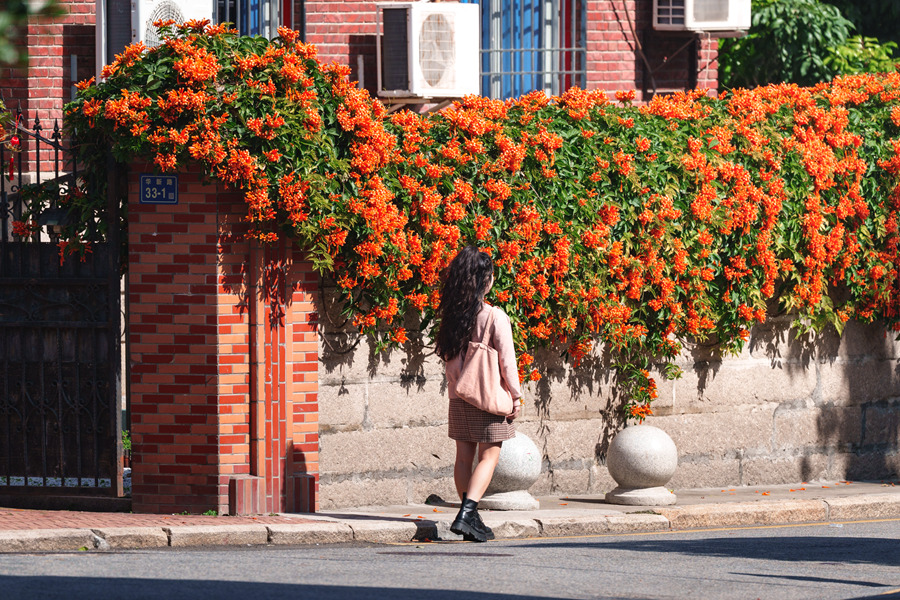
663	532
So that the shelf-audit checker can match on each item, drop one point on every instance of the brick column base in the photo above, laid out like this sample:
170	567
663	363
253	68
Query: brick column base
301	493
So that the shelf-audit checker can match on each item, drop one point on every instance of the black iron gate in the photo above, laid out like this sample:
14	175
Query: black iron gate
60	388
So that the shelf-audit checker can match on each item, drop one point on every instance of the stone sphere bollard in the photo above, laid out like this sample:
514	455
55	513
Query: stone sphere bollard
518	469
642	459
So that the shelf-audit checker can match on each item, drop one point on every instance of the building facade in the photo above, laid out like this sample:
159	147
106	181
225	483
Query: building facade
203	438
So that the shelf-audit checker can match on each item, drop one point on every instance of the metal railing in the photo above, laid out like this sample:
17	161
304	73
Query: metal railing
533	45
60	330
251	17
34	158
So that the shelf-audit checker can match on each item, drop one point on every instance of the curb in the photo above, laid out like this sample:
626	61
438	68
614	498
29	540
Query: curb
128	538
47	540
371	529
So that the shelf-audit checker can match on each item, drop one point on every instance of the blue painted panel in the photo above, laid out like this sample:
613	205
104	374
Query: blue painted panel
521	40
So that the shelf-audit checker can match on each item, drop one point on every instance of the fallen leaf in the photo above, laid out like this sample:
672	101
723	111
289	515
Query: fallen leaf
825	486
407	515
436	510
563	503
765	493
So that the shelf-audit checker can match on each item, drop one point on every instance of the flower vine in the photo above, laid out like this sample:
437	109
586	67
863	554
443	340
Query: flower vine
637	228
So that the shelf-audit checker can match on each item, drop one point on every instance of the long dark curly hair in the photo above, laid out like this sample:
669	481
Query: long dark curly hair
465	283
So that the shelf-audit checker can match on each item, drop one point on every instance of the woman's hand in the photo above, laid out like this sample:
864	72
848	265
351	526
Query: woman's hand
517	407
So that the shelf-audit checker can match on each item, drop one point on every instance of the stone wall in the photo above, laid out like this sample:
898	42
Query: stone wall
785	410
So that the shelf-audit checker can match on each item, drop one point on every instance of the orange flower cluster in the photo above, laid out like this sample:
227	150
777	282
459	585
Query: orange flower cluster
631	228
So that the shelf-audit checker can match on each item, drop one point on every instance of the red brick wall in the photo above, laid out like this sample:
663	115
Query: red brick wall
344	30
51	44
615	38
46	86
211	409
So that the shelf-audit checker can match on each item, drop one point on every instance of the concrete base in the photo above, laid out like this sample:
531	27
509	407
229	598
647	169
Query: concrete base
653	496
517	500
78	503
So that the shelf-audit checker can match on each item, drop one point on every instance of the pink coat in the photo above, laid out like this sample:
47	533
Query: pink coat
500	339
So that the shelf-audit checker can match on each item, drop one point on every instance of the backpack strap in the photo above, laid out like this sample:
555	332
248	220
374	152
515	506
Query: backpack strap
487	327
485	335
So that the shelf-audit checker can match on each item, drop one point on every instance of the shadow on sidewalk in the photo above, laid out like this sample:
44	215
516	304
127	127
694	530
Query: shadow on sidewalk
15	588
877	551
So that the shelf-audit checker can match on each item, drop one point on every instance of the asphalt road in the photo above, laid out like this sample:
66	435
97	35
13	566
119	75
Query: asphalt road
821	562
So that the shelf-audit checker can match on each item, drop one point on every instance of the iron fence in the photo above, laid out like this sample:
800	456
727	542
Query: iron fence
59	331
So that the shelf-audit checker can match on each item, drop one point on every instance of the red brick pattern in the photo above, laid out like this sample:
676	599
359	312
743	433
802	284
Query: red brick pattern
199	425
615	39
344	32
19	519
47	85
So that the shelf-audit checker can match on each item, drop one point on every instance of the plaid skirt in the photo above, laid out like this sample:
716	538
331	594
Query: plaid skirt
470	424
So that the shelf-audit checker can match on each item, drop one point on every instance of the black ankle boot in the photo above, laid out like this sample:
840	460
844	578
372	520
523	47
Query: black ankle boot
488	532
466	523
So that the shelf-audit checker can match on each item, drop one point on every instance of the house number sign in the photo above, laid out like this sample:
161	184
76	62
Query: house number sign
159	189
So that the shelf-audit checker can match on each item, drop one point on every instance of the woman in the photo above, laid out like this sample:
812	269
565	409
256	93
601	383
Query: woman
464	317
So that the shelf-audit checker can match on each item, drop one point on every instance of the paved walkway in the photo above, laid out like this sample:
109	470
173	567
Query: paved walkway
44	530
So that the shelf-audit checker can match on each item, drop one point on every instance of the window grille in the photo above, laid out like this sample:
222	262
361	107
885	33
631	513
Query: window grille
529	45
251	17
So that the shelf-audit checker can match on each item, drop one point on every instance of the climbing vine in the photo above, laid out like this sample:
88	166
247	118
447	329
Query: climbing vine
637	228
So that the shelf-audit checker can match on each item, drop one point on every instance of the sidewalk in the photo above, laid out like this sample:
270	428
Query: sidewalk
41	530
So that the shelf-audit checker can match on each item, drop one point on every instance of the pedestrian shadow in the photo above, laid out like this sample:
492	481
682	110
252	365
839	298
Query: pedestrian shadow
77	588
856	550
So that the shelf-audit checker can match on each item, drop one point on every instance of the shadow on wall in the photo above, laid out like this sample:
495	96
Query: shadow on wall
362	54
79	58
414	363
861	433
341	338
836	400
856	401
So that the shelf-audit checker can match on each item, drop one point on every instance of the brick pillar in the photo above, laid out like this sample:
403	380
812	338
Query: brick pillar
224	361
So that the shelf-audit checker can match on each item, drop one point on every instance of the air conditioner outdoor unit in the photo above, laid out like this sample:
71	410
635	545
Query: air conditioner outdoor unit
146	12
428	49
701	15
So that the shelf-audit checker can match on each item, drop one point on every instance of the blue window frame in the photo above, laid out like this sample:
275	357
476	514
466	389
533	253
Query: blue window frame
251	17
529	45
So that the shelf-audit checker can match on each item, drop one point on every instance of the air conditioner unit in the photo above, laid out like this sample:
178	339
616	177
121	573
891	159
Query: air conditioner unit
701	15
428	49
146	12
